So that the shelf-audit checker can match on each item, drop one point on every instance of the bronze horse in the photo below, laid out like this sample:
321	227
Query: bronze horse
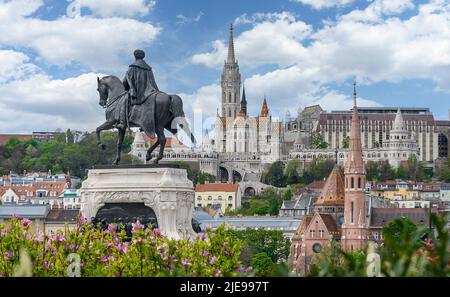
169	115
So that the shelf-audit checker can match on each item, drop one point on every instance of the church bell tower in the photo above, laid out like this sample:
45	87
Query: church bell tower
231	82
354	228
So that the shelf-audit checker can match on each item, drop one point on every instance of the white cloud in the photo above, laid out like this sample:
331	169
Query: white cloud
14	65
45	103
182	19
321	4
95	43
333	100
276	39
107	8
370	45
206	99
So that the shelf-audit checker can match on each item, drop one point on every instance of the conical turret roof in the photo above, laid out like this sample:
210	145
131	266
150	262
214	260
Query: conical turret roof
334	190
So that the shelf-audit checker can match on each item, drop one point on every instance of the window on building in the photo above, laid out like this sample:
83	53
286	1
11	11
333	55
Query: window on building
199	198
352	212
352	183
209	198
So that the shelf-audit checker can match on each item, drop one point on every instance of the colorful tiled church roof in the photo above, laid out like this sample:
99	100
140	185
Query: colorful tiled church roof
334	189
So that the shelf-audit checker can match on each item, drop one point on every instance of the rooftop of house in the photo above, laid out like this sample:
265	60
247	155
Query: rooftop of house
218	187
62	216
382	216
27	211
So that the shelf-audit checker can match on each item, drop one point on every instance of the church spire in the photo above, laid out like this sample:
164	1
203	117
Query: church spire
264	109
231	56
355	160
354	229
243	111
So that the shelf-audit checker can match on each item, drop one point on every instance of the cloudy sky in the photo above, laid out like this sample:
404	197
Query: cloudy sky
297	52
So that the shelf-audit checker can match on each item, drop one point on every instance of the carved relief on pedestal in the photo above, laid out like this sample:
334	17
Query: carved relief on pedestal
171	196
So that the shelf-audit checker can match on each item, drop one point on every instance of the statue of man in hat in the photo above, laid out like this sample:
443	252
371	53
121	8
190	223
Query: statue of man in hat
140	83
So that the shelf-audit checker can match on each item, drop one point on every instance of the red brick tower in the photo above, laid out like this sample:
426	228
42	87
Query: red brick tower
354	229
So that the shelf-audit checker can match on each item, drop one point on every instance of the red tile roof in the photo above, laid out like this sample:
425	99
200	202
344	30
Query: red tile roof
22	137
216	188
170	141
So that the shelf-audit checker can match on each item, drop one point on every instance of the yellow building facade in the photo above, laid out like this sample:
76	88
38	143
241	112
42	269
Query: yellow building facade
228	196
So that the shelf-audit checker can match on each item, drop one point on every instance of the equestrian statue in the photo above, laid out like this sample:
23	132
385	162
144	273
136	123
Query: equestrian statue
137	102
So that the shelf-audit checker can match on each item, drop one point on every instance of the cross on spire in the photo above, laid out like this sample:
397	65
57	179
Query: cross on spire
354	94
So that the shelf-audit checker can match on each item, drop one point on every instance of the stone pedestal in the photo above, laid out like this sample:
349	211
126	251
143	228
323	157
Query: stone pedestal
166	190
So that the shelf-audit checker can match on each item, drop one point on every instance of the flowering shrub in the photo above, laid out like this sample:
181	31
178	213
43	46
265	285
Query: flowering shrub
108	253
407	251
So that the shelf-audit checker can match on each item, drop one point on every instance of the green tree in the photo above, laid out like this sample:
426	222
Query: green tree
444	171
317	141
274	175
293	176
346	142
271	242
69	137
372	171
262	264
321	168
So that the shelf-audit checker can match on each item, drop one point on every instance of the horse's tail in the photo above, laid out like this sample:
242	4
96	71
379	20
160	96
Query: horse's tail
176	108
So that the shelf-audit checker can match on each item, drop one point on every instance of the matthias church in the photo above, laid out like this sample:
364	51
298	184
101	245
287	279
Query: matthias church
243	146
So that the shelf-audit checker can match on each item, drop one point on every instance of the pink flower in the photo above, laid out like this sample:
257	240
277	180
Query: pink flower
185	262
249	269
205	254
8	255
227	253
240	269
157	232
217	272
104	258
58	237
40	237
171	258
124	248
201	236
15	216
26	223
111	228
136	226
82	219
46	264
4	231
213	260
208	226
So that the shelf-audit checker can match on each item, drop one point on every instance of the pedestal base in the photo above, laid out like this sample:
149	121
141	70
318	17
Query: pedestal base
167	191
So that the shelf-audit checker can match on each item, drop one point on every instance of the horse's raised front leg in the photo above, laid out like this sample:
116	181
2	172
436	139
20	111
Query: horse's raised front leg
162	145
119	146
105	126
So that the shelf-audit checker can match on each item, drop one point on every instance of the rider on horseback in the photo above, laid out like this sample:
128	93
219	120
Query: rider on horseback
140	83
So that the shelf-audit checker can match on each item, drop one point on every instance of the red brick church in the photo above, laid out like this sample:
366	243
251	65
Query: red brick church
340	211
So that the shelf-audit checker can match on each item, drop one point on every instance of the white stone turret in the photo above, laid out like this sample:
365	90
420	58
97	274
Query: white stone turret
400	145
139	146
207	145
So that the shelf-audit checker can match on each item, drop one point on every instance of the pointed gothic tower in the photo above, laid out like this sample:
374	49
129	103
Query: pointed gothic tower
354	229
231	82
264	108
243	112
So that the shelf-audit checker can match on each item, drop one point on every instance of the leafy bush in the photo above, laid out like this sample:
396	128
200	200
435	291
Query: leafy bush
407	250
108	253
